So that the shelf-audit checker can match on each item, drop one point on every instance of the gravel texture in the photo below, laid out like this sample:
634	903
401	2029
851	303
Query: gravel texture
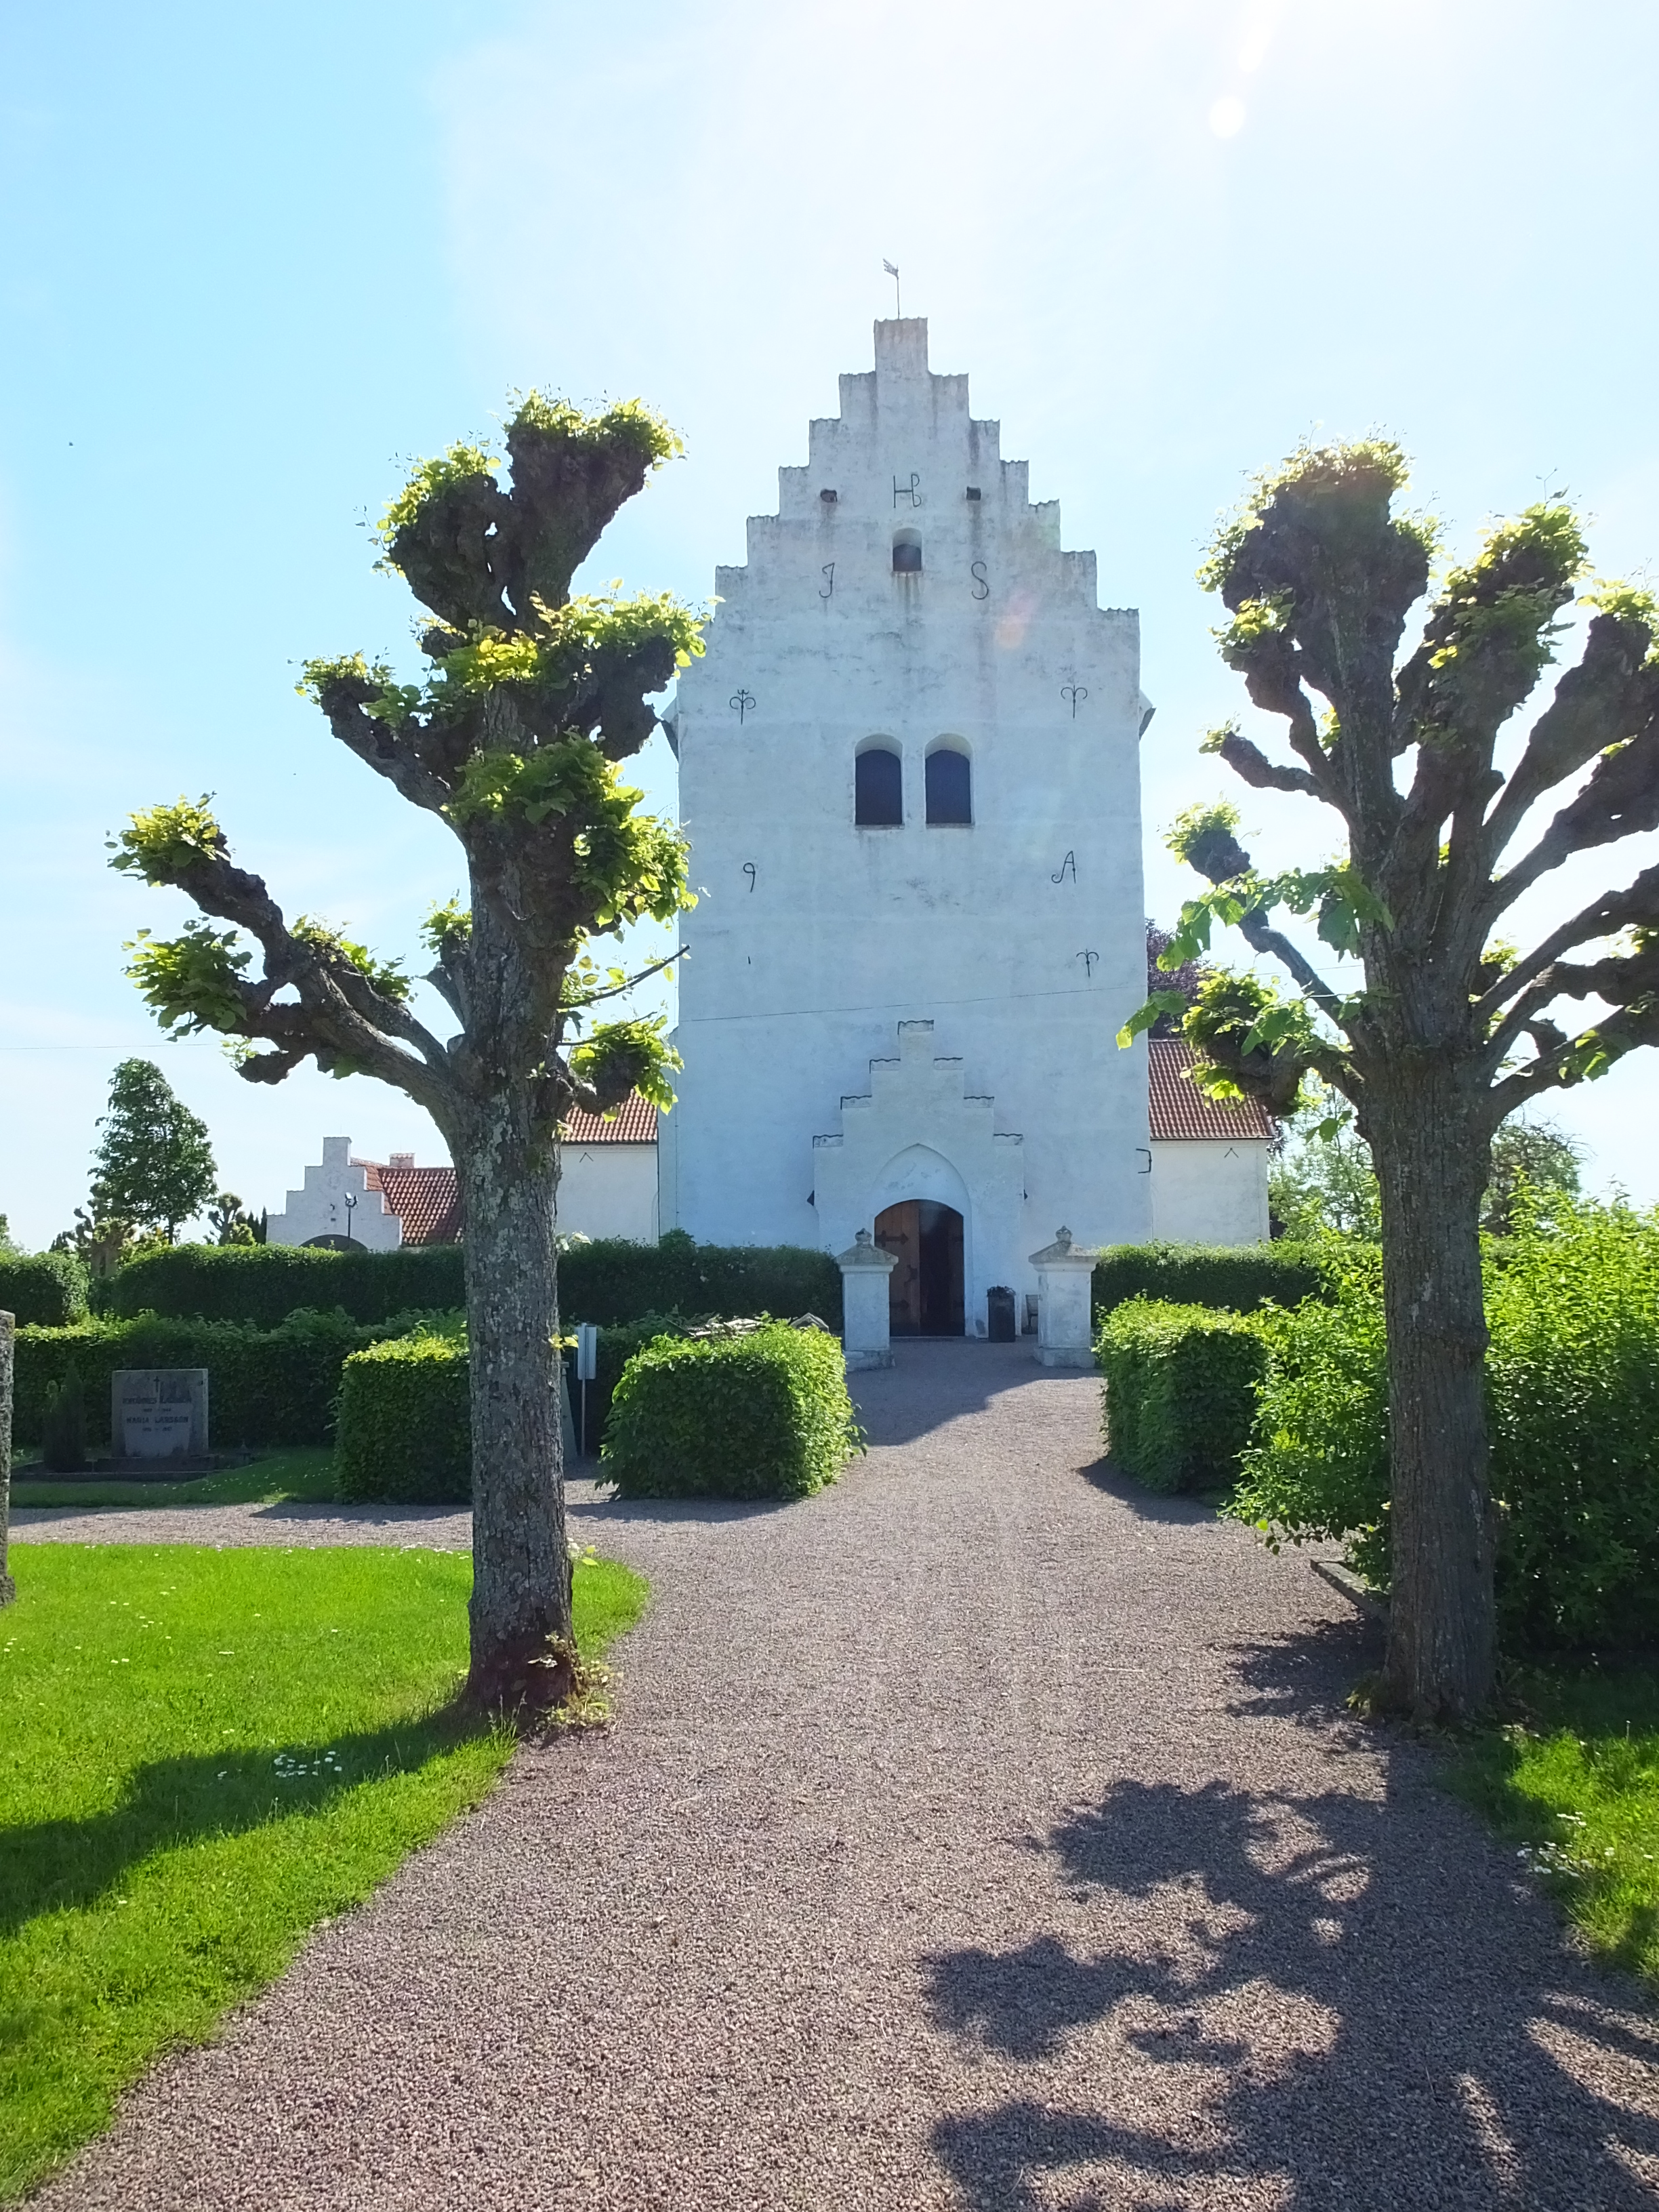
981	1833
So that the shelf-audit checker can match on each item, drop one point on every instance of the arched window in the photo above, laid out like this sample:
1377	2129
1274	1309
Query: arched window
949	786
878	789
907	552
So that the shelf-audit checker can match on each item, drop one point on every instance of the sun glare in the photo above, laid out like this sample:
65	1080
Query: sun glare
1227	117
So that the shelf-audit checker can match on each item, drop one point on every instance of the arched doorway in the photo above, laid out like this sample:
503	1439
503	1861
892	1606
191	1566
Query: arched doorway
925	1290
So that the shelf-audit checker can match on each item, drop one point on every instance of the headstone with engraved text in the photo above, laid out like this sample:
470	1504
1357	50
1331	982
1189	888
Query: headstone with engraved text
159	1412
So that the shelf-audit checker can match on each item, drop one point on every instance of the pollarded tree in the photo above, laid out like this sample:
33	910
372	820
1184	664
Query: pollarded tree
512	741
153	1164
1453	1029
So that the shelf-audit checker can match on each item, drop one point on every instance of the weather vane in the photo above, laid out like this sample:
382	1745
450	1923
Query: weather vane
898	304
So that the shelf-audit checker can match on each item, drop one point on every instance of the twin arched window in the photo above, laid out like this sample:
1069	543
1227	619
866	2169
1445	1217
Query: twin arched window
878	786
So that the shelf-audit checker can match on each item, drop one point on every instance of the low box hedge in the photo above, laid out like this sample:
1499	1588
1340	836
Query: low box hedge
1237	1277
274	1386
1180	1391
404	1430
761	1415
43	1290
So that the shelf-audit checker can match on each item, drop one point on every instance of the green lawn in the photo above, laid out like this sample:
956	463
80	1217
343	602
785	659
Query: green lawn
305	1471
203	1754
1575	1787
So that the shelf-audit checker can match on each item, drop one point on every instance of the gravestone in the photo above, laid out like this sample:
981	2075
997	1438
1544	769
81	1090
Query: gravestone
864	1268
159	1412
1065	1315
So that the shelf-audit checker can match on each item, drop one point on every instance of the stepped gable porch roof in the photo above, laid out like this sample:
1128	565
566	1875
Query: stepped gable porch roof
1179	1112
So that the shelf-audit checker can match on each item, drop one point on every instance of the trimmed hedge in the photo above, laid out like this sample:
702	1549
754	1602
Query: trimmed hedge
273	1386
763	1415
1239	1278
264	1283
612	1281
43	1290
1179	1390
405	1429
609	1281
617	1346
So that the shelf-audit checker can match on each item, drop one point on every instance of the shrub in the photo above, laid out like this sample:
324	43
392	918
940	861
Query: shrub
264	1283
404	1428
64	1431
764	1415
617	1346
612	1281
1180	1384
43	1290
1572	1391
609	1281
1239	1278
264	1386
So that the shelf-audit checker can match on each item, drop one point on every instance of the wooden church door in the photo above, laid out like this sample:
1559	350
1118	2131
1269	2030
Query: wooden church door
924	1292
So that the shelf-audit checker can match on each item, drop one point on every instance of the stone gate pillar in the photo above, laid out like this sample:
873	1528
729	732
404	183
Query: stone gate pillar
864	1268
1065	1305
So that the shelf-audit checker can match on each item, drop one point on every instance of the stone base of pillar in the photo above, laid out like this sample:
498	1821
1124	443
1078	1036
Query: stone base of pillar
858	1358
1060	1355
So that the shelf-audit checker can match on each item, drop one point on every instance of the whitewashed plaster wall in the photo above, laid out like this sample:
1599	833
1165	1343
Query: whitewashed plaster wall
320	1209
1020	936
608	1190
1212	1193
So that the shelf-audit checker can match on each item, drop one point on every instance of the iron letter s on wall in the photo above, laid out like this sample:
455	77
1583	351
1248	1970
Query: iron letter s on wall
982	588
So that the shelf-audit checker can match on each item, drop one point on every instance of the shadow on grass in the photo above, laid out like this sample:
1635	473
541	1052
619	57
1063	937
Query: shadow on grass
65	1864
1341	1996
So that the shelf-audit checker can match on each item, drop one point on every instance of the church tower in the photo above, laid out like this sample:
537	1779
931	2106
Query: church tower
910	776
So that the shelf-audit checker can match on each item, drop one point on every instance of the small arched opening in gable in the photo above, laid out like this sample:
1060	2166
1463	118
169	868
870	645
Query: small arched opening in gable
907	552
949	783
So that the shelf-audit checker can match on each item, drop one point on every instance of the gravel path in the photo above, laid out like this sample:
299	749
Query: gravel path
981	1834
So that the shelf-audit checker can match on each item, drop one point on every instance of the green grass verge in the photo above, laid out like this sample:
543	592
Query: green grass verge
203	1754
1575	1786
304	1471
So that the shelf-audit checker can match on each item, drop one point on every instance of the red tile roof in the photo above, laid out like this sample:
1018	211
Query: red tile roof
425	1199
634	1123
1180	1113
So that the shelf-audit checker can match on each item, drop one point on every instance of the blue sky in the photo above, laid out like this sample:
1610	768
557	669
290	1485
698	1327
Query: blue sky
257	259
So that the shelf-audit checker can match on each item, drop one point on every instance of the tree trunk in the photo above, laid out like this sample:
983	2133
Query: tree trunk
522	1638
1432	1155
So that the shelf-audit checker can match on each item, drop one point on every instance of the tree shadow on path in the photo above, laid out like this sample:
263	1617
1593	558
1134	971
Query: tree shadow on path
1304	1999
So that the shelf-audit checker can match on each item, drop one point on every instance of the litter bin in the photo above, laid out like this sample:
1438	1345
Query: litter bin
999	1313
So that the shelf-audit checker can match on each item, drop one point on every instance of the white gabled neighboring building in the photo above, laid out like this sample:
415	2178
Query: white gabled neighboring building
1210	1161
910	776
340	1198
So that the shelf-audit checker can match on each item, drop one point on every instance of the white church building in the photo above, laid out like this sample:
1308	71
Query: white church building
910	776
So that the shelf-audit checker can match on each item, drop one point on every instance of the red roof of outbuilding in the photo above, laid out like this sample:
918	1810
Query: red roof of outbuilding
427	1200
635	1123
1178	1110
